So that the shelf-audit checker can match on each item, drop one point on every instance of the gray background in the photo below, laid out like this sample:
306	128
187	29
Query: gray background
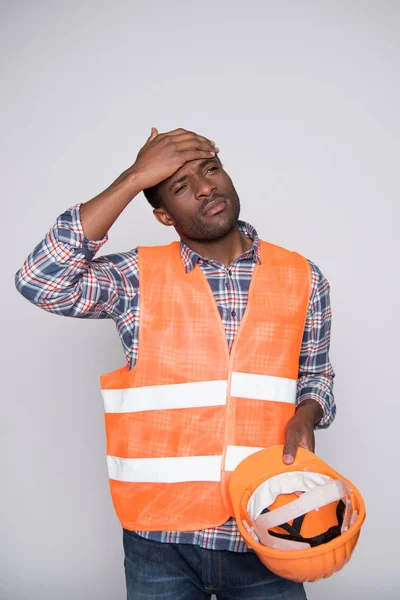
302	98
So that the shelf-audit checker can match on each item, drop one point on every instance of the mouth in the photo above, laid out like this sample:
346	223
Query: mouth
214	207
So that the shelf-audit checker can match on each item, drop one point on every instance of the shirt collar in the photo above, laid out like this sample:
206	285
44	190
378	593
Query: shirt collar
190	257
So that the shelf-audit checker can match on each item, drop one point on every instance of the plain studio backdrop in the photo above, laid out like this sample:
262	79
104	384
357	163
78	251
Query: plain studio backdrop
302	98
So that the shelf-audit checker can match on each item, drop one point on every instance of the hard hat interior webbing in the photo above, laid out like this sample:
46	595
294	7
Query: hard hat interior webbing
314	492
293	531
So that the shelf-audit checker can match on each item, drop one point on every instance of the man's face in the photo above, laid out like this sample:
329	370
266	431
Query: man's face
199	200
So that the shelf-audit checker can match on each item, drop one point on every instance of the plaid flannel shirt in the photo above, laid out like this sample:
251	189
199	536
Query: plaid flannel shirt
62	276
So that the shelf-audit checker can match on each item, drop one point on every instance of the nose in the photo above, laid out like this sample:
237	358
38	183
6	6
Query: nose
204	188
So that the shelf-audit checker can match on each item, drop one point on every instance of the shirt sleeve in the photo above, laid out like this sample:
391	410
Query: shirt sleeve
62	276
315	370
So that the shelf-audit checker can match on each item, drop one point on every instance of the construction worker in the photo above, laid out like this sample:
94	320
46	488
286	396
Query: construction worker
226	340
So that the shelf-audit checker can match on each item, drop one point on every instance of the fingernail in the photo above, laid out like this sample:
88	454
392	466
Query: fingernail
212	153
288	459
216	149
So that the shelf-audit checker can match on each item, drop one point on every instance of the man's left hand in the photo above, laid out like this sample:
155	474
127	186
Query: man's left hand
299	431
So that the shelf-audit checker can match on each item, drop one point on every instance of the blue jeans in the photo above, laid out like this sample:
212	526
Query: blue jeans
157	570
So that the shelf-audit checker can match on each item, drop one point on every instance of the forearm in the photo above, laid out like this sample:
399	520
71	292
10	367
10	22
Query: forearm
60	274
98	214
316	375
318	389
311	410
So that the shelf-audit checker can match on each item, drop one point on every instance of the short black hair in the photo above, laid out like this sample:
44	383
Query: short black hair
153	195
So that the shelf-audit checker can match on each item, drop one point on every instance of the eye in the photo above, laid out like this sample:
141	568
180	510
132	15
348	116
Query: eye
211	169
179	189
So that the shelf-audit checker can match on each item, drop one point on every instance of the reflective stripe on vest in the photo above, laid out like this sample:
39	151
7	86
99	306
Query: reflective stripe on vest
201	393
175	470
189	412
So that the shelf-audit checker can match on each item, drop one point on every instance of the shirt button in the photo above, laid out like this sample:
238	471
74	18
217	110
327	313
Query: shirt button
233	313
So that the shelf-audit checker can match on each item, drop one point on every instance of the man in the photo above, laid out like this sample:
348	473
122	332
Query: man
195	398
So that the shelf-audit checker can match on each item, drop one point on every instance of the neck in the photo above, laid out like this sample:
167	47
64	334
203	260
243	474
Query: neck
224	250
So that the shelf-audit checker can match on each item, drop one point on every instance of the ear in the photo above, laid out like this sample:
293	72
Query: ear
163	217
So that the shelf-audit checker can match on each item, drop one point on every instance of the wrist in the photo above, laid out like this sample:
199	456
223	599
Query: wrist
134	180
311	410
132	184
127	185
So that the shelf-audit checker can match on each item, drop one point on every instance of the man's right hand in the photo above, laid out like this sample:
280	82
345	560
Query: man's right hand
164	153
161	156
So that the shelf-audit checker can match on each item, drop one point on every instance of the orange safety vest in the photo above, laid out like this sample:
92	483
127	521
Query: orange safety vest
189	412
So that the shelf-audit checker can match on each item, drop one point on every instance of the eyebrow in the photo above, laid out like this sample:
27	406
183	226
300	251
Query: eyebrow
201	166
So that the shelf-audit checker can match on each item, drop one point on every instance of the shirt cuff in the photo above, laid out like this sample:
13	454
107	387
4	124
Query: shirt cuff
68	233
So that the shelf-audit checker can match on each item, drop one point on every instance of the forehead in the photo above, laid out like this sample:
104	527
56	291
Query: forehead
189	168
